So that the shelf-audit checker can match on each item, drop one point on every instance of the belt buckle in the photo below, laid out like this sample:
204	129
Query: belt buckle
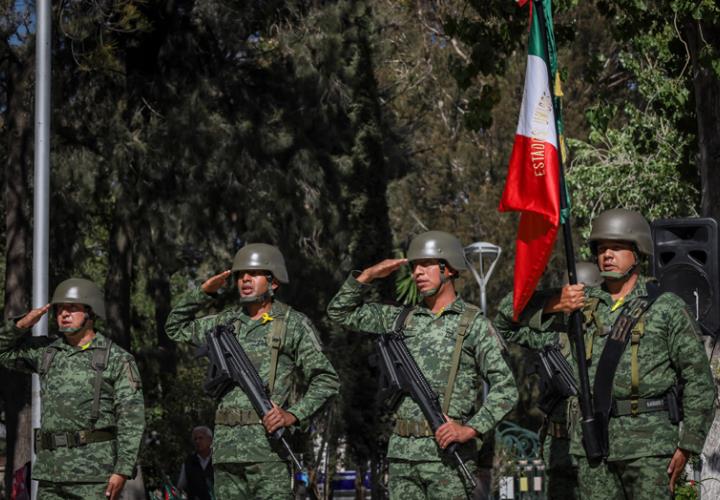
59	440
81	438
634	407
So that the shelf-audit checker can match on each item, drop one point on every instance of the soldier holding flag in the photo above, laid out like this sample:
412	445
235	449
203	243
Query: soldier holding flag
648	367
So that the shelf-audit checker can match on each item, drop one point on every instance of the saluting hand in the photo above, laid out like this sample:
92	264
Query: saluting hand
29	320
115	486
215	283
380	270
277	418
453	432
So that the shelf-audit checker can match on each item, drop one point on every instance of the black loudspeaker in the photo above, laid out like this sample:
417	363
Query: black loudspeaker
686	263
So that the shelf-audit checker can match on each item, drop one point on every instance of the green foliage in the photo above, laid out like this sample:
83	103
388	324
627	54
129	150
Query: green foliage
644	157
170	418
405	288
632	167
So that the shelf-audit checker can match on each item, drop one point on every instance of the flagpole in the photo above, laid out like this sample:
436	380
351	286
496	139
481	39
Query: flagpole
41	210
591	438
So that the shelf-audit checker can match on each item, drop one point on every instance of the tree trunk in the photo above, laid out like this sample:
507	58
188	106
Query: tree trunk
159	289
118	287
707	107
16	386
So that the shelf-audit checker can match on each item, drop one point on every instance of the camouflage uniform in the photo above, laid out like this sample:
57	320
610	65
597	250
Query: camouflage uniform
561	467
246	461
67	397
670	349
418	468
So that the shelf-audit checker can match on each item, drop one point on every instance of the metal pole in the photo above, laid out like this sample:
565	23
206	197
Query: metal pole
482	249
41	202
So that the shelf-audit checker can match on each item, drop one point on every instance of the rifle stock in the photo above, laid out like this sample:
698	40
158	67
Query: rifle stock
403	377
229	367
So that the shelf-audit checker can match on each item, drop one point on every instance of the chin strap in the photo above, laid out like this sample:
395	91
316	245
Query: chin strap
443	279
73	331
615	276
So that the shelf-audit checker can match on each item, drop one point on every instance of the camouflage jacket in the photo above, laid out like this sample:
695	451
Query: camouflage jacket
301	363
67	392
522	334
670	349
431	340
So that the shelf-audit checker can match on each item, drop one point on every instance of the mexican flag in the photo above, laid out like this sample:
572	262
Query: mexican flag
533	182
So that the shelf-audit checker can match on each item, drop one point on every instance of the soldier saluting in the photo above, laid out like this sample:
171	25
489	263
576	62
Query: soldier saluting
454	346
92	417
282	343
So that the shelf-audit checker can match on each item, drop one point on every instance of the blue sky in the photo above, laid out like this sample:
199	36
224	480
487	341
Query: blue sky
22	6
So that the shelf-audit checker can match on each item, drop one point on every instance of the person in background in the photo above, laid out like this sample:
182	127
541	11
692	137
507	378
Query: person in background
196	474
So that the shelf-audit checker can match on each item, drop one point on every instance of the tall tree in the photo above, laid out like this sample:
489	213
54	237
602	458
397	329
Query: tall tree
16	66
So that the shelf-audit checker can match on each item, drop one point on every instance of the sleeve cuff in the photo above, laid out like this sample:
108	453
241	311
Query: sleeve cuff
199	296
354	283
124	469
479	423
691	442
299	412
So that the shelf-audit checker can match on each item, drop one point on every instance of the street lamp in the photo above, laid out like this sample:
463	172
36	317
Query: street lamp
482	257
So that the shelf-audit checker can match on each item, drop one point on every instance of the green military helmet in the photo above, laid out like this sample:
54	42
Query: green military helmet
619	224
263	257
588	273
80	291
438	245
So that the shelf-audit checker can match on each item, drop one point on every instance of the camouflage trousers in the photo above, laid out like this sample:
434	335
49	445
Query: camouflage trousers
428	480
262	480
70	491
643	478
562	473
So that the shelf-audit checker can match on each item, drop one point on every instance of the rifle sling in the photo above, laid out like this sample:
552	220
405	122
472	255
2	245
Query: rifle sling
99	361
277	336
466	320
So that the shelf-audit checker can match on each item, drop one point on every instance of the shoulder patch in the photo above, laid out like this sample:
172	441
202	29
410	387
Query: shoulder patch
311	332
132	373
498	338
693	323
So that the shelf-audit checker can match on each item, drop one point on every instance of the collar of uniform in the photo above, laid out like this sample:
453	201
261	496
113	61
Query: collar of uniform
639	290
98	341
275	310
457	306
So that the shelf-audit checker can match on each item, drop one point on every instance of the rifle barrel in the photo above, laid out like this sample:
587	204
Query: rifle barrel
291	454
465	471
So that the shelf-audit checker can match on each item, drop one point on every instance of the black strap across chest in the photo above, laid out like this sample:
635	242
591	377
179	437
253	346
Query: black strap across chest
615	345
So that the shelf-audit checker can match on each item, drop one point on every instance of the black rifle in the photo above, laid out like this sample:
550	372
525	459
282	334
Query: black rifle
557	378
402	376
230	367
